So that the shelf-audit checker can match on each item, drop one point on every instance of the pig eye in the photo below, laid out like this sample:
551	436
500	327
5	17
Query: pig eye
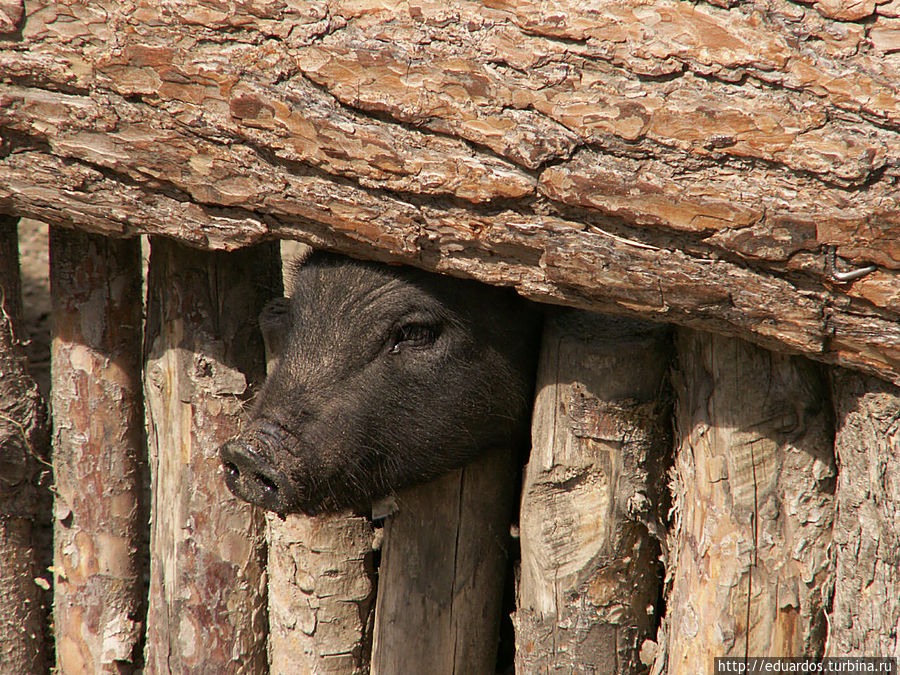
413	335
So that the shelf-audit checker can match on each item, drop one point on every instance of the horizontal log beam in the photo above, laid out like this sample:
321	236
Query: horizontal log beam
697	165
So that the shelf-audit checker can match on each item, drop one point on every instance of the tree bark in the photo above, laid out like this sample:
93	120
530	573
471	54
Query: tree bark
321	594
866	606
443	562
23	439
754	482
207	607
730	167
593	505
321	576
98	452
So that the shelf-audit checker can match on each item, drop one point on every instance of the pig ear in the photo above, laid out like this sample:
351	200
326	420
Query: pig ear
274	321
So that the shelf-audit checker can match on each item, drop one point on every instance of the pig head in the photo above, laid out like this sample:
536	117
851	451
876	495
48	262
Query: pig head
383	377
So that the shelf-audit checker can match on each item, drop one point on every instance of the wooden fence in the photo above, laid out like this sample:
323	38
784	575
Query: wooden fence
686	496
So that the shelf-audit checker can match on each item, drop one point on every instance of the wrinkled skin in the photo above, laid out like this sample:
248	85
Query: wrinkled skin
385	377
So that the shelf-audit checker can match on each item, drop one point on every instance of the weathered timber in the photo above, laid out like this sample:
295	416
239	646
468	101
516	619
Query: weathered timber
23	435
321	577
11	13
204	360
593	504
866	606
443	562
730	167
753	494
98	452
321	594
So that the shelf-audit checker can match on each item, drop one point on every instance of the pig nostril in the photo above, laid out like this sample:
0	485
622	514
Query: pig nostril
252	478
267	483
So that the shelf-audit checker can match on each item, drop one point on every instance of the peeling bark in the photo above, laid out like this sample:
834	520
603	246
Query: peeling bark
866	606
593	505
321	595
23	440
204	360
729	167
98	452
753	490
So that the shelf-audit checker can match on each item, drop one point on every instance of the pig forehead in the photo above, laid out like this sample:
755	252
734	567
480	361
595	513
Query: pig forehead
359	293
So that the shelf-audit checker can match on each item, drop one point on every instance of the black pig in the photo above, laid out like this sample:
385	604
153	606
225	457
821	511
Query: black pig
386	376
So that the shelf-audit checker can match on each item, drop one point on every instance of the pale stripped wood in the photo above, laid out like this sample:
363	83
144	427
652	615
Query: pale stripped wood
753	489
203	360
593	504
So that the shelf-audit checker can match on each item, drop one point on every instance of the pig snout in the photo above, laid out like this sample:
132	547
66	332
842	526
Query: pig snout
253	477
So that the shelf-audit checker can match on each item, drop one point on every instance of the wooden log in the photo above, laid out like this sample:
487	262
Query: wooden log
443	563
98	452
23	439
753	505
594	503
321	594
204	360
866	606
697	165
321	576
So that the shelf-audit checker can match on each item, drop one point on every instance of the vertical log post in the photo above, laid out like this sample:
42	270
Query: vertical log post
98	451
866	609
205	358
593	503
321	576
321	592
754	482
23	438
443	562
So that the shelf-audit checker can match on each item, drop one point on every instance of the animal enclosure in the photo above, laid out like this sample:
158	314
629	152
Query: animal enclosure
679	502
704	196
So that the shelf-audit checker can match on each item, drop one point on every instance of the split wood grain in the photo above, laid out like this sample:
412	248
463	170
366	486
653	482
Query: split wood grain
594	502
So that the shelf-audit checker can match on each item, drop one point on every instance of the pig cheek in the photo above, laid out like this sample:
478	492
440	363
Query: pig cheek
326	445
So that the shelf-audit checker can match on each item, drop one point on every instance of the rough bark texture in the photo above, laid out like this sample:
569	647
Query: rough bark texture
23	435
98	452
721	165
207	611
321	595
443	562
866	609
321	579
754	477
590	574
